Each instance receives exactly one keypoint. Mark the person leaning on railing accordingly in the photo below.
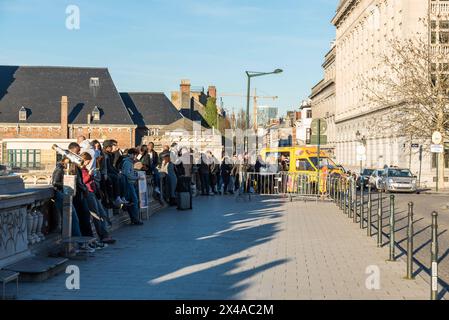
(57, 180)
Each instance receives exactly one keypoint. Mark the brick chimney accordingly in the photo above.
(185, 94)
(212, 92)
(64, 117)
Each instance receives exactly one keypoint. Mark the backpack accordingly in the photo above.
(180, 170)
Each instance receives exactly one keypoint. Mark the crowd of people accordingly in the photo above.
(106, 178)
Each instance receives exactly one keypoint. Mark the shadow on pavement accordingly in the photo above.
(206, 262)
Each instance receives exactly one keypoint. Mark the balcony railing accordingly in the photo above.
(439, 8)
(442, 49)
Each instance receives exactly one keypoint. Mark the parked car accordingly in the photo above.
(398, 180)
(375, 179)
(363, 178)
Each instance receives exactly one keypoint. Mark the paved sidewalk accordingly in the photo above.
(228, 249)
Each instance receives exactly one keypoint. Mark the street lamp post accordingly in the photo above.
(362, 140)
(253, 74)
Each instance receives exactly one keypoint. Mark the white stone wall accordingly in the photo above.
(361, 37)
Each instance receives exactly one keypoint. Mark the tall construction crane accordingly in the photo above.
(256, 98)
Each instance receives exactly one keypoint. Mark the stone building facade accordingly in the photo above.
(323, 99)
(363, 30)
(41, 104)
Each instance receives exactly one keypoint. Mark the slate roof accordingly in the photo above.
(150, 109)
(39, 90)
(196, 113)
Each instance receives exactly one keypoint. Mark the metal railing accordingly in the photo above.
(292, 185)
(343, 193)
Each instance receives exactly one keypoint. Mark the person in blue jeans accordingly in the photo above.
(132, 176)
(58, 186)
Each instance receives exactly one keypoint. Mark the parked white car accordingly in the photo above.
(398, 180)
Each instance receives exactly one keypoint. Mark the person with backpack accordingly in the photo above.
(169, 176)
(214, 172)
(225, 171)
(204, 171)
(131, 176)
(115, 182)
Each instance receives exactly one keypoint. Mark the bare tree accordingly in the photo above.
(410, 85)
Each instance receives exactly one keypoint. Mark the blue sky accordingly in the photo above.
(151, 45)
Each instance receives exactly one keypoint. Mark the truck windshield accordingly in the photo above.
(324, 162)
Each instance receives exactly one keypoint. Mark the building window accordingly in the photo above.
(309, 114)
(433, 24)
(94, 85)
(444, 37)
(96, 114)
(24, 159)
(446, 158)
(22, 114)
(308, 136)
(444, 24)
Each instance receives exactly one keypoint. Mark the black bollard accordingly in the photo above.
(369, 230)
(410, 242)
(354, 190)
(434, 257)
(341, 194)
(392, 227)
(379, 219)
(362, 205)
(350, 199)
(346, 197)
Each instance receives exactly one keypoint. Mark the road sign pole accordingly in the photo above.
(318, 156)
(420, 165)
(438, 171)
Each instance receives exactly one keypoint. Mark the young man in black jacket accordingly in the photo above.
(111, 175)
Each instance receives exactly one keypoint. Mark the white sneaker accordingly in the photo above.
(117, 202)
(124, 201)
(86, 249)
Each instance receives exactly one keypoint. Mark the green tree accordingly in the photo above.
(211, 112)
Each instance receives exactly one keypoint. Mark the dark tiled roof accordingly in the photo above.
(196, 112)
(148, 109)
(39, 90)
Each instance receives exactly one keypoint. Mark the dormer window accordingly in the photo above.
(94, 85)
(96, 114)
(94, 82)
(23, 114)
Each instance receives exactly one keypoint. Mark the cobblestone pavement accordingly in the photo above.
(228, 249)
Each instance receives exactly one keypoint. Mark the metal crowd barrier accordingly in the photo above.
(294, 185)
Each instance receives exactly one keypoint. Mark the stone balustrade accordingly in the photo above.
(24, 215)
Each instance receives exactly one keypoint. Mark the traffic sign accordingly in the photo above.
(361, 157)
(361, 150)
(437, 138)
(314, 140)
(321, 123)
(415, 145)
(437, 148)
